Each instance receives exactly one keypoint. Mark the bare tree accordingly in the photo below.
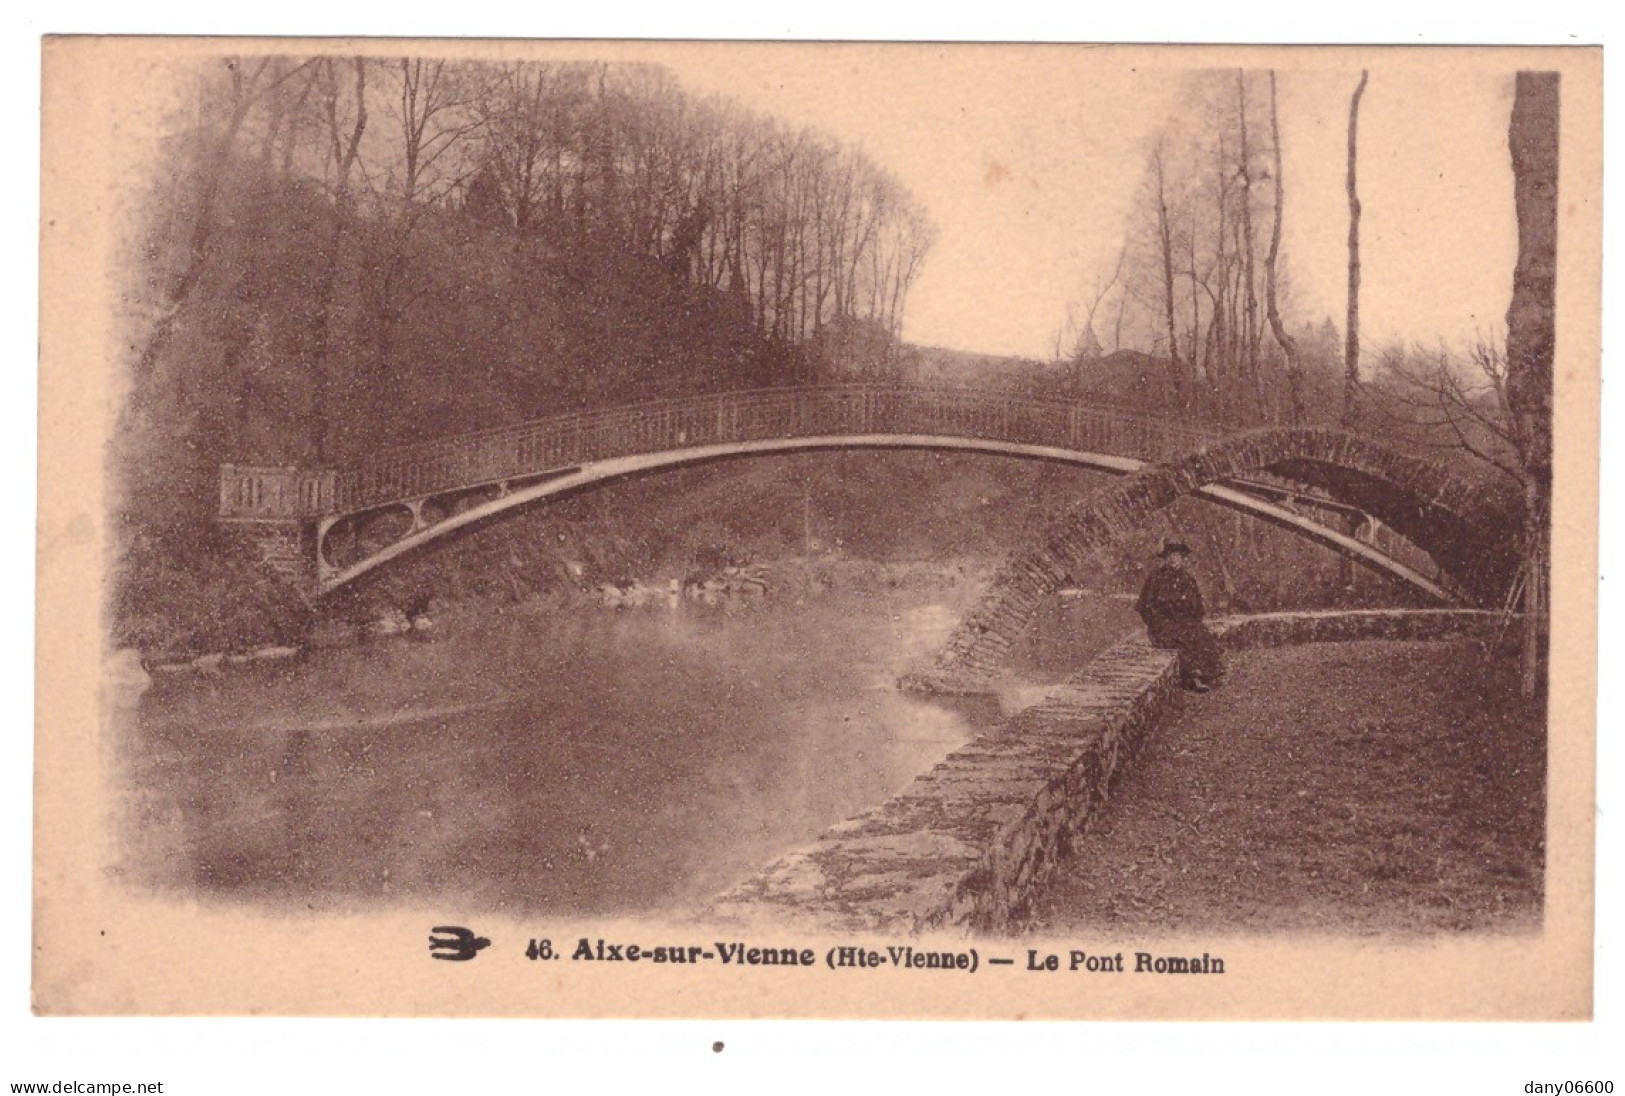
(595, 161)
(1351, 332)
(1441, 402)
(1077, 340)
(1248, 245)
(1532, 334)
(1166, 238)
(512, 104)
(1194, 270)
(246, 82)
(428, 109)
(426, 162)
(1289, 345)
(346, 124)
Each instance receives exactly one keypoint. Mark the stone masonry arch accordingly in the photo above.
(1469, 528)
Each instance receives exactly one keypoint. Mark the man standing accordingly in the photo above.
(1171, 606)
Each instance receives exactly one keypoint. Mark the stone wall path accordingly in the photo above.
(968, 844)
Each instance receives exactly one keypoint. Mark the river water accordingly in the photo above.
(577, 760)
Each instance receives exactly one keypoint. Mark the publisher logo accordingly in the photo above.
(455, 943)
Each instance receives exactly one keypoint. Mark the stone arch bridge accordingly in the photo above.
(1469, 529)
(324, 528)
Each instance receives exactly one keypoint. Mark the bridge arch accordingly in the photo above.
(1470, 529)
(489, 501)
(479, 505)
(410, 495)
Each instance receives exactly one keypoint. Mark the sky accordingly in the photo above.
(1028, 159)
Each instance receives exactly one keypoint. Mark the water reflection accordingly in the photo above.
(581, 761)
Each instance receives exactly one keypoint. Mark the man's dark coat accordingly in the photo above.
(1171, 606)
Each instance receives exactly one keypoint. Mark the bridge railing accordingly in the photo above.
(257, 493)
(492, 456)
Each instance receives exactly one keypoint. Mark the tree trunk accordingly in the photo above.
(1248, 245)
(1351, 330)
(345, 151)
(1289, 345)
(1531, 339)
(1351, 333)
(1198, 369)
(1219, 371)
(1168, 284)
(215, 168)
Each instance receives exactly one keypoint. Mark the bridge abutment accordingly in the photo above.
(286, 547)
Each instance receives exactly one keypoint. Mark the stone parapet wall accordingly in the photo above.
(1337, 626)
(966, 844)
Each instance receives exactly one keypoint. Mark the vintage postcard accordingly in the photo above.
(847, 530)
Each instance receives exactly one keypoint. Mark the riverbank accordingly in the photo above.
(549, 758)
(1347, 788)
(794, 580)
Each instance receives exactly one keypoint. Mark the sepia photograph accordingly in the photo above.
(729, 529)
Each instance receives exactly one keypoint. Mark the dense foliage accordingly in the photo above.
(345, 253)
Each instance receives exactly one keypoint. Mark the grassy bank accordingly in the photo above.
(1350, 788)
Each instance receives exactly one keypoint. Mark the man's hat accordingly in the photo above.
(1174, 547)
